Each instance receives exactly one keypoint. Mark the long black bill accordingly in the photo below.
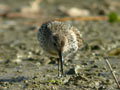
(61, 61)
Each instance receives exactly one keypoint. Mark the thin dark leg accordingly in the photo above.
(58, 66)
(61, 66)
(61, 61)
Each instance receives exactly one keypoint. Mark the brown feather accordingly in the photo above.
(79, 39)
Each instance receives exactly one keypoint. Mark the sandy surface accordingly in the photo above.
(24, 67)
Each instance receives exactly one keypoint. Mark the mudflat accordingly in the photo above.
(23, 66)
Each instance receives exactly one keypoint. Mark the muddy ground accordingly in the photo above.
(24, 67)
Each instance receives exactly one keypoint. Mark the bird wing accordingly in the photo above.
(79, 36)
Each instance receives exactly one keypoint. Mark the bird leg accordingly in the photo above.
(58, 66)
(61, 62)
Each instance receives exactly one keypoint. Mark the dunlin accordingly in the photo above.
(57, 38)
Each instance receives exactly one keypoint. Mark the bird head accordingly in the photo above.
(58, 42)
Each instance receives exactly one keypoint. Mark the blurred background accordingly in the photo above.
(22, 63)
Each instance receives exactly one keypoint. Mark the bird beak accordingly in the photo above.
(61, 61)
(60, 55)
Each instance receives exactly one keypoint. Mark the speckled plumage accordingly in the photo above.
(55, 36)
(72, 34)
